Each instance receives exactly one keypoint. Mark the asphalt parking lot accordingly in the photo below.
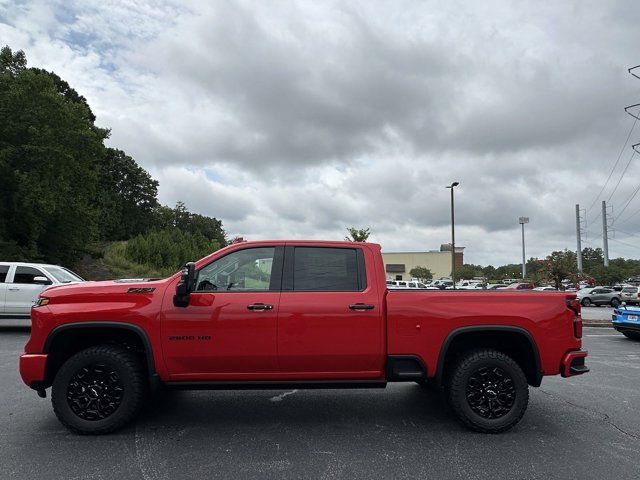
(585, 427)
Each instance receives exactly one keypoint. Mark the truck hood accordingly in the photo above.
(127, 285)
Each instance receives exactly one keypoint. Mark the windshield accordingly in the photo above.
(63, 275)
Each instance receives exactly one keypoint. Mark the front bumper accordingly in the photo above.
(626, 326)
(32, 369)
(573, 363)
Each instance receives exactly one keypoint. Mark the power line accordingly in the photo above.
(622, 175)
(614, 165)
(595, 219)
(625, 243)
(628, 233)
(631, 216)
(633, 195)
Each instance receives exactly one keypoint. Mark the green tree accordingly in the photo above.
(60, 187)
(421, 273)
(358, 235)
(468, 271)
(180, 217)
(127, 197)
(49, 157)
(12, 63)
(558, 266)
(512, 270)
(167, 250)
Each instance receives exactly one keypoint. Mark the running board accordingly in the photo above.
(276, 385)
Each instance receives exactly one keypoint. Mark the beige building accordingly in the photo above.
(397, 265)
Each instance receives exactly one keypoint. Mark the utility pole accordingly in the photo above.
(522, 221)
(453, 236)
(579, 252)
(605, 234)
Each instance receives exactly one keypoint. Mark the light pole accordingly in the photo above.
(453, 236)
(522, 221)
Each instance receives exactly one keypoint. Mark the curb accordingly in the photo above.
(597, 323)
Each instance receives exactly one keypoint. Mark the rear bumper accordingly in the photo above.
(573, 363)
(32, 368)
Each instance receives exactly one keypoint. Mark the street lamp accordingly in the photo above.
(522, 221)
(453, 237)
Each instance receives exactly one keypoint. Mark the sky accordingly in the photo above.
(299, 119)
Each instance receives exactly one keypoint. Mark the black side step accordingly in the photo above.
(277, 385)
(405, 368)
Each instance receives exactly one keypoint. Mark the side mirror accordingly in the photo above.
(186, 285)
(41, 280)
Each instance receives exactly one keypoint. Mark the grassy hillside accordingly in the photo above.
(107, 261)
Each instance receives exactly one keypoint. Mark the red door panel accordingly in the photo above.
(318, 332)
(319, 335)
(217, 337)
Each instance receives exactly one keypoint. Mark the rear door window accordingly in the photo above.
(325, 269)
(26, 275)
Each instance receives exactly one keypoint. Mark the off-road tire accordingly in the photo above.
(131, 375)
(456, 390)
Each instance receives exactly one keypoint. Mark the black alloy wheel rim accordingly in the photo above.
(95, 392)
(490, 392)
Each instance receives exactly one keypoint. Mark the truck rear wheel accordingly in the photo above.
(99, 390)
(487, 391)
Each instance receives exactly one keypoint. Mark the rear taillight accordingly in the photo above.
(574, 305)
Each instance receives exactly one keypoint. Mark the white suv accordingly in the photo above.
(21, 283)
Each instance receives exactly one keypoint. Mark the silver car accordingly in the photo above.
(630, 294)
(599, 296)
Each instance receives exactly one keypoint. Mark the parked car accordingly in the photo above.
(627, 321)
(618, 287)
(599, 296)
(313, 315)
(496, 286)
(21, 283)
(630, 295)
(544, 289)
(407, 284)
(519, 286)
(442, 284)
(470, 285)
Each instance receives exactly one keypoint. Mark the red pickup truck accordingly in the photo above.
(293, 314)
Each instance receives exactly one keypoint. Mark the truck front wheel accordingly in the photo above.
(98, 390)
(487, 391)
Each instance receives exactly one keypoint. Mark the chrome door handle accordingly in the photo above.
(361, 306)
(259, 306)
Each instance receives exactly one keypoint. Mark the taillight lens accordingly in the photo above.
(574, 305)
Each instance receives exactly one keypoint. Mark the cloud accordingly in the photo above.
(300, 119)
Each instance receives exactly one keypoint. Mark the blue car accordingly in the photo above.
(627, 321)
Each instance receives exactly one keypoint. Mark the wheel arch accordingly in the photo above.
(59, 351)
(489, 336)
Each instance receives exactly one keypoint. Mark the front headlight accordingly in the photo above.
(41, 302)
